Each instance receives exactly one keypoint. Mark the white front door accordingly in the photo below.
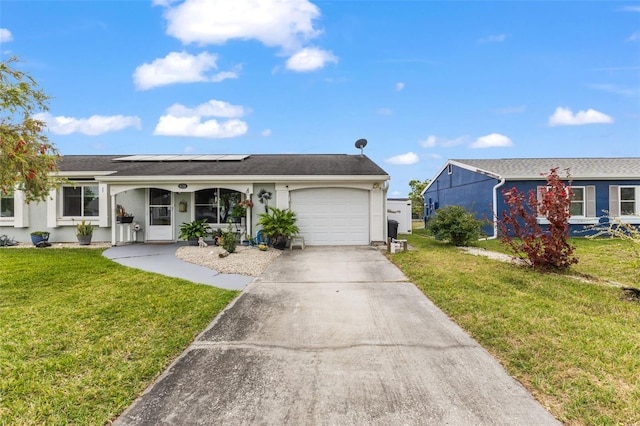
(160, 221)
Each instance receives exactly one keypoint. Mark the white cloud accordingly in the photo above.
(399, 86)
(266, 133)
(494, 140)
(92, 126)
(630, 9)
(162, 2)
(618, 90)
(564, 117)
(403, 159)
(5, 35)
(495, 38)
(179, 67)
(169, 125)
(274, 23)
(429, 142)
(213, 108)
(634, 37)
(433, 140)
(310, 59)
(180, 120)
(384, 111)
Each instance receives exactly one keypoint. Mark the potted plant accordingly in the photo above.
(279, 225)
(192, 231)
(122, 216)
(84, 232)
(238, 212)
(40, 238)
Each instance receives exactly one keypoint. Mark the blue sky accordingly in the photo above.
(422, 81)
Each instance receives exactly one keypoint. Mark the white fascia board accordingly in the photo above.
(242, 178)
(84, 174)
(572, 178)
(462, 166)
(477, 170)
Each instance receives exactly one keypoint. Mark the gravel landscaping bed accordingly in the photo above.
(244, 261)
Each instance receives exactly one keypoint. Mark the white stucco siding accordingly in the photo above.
(332, 216)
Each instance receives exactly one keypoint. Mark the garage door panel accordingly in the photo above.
(332, 216)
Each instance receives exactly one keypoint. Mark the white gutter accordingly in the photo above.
(495, 209)
(243, 178)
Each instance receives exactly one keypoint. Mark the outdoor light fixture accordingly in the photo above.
(182, 206)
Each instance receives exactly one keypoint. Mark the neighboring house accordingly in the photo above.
(602, 187)
(338, 199)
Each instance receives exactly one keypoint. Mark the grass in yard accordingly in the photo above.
(600, 258)
(82, 336)
(574, 345)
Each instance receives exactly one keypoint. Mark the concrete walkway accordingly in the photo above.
(334, 335)
(161, 259)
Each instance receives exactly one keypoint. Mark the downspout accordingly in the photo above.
(495, 209)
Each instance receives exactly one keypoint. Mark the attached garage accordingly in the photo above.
(332, 216)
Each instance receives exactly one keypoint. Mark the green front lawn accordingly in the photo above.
(574, 345)
(601, 258)
(81, 336)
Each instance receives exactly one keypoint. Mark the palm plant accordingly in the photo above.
(279, 225)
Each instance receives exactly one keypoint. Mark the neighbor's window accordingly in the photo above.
(81, 200)
(7, 206)
(577, 201)
(216, 204)
(628, 200)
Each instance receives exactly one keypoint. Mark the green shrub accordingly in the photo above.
(229, 240)
(456, 225)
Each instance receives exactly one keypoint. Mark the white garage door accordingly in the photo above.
(332, 216)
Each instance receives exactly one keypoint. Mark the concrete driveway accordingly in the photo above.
(334, 336)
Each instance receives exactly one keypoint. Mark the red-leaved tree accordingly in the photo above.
(546, 248)
(28, 161)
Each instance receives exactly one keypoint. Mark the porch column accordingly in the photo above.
(113, 220)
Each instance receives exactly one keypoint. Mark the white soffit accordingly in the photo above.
(204, 157)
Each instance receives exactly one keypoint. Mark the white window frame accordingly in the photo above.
(82, 186)
(20, 218)
(7, 219)
(615, 204)
(588, 207)
(55, 206)
(582, 202)
(217, 204)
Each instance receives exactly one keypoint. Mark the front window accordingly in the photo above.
(628, 201)
(7, 206)
(216, 204)
(80, 201)
(577, 201)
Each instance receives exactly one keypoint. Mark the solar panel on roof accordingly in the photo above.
(203, 157)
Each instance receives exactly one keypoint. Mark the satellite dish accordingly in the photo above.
(361, 143)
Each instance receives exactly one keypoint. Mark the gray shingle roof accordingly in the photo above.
(257, 165)
(579, 168)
